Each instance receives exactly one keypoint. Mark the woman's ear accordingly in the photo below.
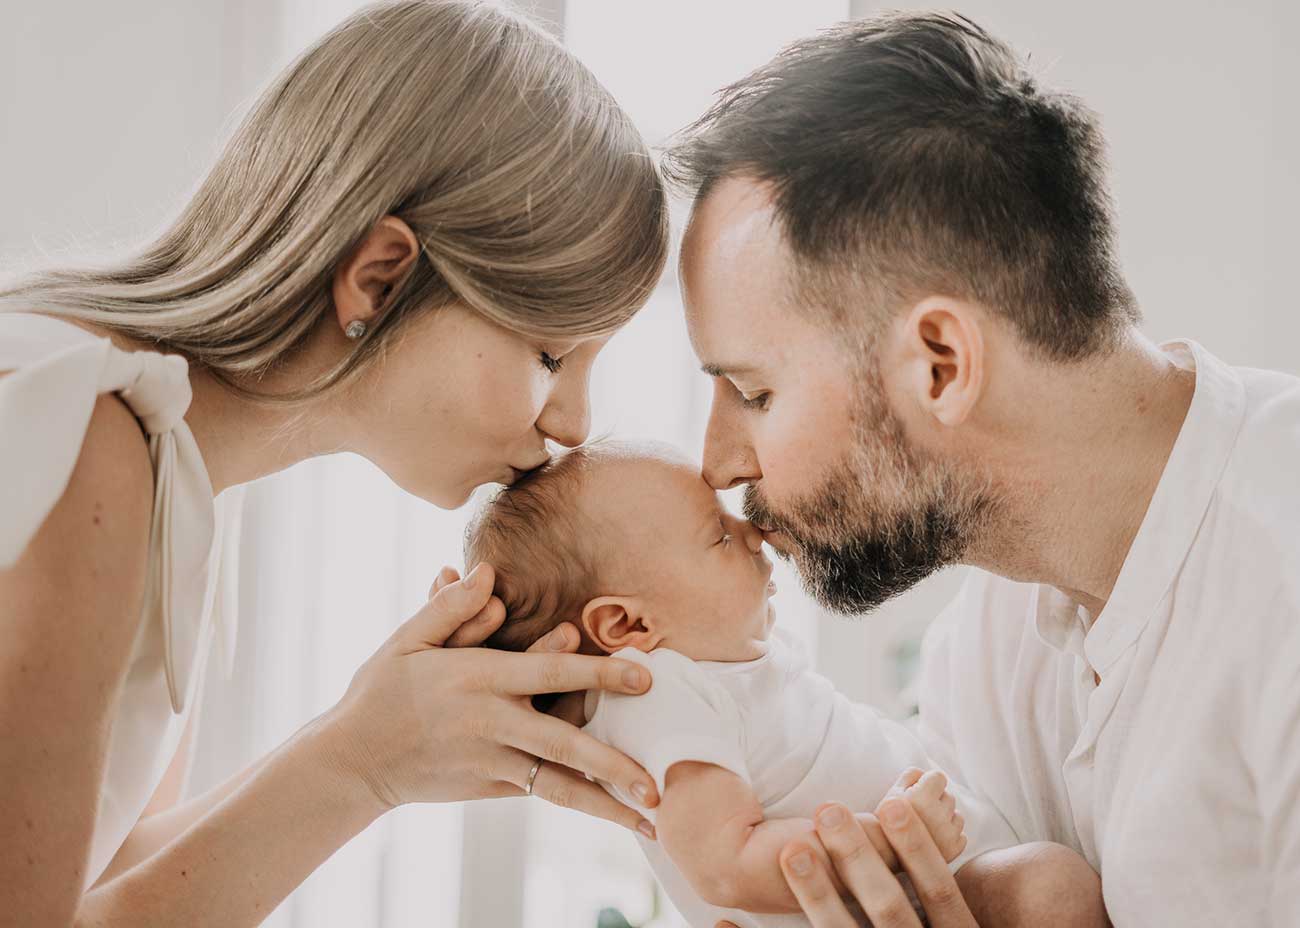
(365, 279)
(614, 622)
(942, 352)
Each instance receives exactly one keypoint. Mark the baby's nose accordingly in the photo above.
(753, 537)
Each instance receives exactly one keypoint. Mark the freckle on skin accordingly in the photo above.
(30, 824)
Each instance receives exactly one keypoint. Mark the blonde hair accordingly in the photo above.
(534, 199)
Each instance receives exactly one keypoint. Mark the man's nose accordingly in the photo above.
(729, 460)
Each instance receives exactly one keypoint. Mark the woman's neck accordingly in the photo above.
(240, 439)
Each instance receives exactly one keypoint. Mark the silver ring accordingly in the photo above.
(532, 777)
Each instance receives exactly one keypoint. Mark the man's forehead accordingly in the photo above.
(733, 272)
(734, 218)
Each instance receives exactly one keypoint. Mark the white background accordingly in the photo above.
(110, 112)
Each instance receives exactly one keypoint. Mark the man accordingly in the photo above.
(900, 272)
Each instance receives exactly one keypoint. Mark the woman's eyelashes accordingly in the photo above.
(757, 401)
(550, 362)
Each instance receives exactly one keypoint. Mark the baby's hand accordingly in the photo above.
(927, 792)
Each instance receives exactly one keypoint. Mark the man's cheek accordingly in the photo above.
(800, 455)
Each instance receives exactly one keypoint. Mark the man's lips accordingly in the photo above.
(777, 540)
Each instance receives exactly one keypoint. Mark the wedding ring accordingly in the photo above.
(532, 777)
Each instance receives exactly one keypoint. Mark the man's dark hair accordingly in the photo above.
(912, 153)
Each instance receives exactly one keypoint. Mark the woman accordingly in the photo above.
(412, 249)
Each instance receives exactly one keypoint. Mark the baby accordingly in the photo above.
(743, 739)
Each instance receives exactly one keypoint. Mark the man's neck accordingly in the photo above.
(1098, 437)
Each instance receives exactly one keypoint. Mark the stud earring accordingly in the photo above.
(356, 328)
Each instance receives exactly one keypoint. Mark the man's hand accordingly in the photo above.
(861, 868)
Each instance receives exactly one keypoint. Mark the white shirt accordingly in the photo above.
(780, 727)
(59, 370)
(1178, 777)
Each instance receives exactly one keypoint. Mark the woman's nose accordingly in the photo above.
(567, 417)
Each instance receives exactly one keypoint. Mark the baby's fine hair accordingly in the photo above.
(542, 547)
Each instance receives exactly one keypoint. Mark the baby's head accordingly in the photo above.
(630, 544)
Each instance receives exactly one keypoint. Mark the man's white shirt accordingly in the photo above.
(1178, 776)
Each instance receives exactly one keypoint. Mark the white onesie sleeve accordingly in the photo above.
(685, 716)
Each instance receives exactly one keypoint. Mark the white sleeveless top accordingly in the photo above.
(46, 404)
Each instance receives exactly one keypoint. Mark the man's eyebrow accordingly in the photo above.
(729, 370)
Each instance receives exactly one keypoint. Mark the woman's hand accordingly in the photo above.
(859, 866)
(423, 722)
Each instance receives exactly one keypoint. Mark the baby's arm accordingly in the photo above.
(711, 824)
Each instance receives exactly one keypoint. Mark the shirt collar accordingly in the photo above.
(1181, 500)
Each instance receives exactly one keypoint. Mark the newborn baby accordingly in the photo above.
(743, 739)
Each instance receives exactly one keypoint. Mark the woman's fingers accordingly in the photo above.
(445, 576)
(563, 638)
(532, 674)
(933, 882)
(561, 743)
(450, 607)
(861, 869)
(570, 790)
(812, 886)
(480, 628)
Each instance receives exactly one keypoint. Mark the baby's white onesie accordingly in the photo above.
(782, 728)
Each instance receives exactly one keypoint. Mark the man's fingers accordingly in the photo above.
(561, 743)
(568, 789)
(861, 869)
(532, 674)
(920, 857)
(812, 886)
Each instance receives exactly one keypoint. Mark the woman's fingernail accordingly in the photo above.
(633, 678)
(646, 829)
(801, 863)
(893, 813)
(559, 639)
(832, 817)
(641, 792)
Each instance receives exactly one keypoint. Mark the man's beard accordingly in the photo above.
(882, 521)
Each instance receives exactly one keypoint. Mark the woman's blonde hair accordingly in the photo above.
(534, 199)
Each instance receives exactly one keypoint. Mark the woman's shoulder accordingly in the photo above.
(71, 446)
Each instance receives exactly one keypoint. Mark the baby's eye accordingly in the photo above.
(724, 540)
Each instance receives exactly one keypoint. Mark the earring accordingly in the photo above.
(356, 328)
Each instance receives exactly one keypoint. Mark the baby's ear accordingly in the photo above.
(614, 622)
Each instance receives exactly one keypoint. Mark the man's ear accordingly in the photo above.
(614, 622)
(365, 279)
(942, 356)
